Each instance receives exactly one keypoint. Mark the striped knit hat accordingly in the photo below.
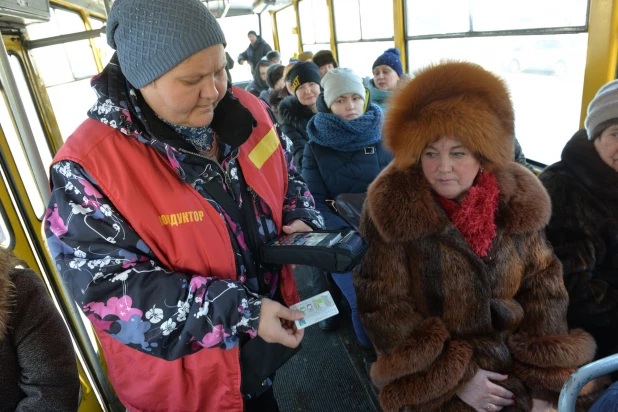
(603, 110)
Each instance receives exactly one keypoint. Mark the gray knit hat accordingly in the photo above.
(338, 82)
(152, 37)
(603, 110)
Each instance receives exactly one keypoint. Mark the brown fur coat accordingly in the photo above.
(436, 312)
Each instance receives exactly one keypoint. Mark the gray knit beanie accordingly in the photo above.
(603, 110)
(340, 81)
(152, 37)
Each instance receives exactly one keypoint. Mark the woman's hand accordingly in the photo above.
(542, 406)
(277, 324)
(484, 395)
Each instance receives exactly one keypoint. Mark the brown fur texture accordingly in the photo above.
(452, 99)
(7, 262)
(436, 312)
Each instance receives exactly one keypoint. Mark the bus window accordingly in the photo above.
(68, 79)
(288, 40)
(5, 234)
(19, 156)
(360, 40)
(31, 112)
(235, 30)
(105, 51)
(314, 25)
(267, 29)
(545, 72)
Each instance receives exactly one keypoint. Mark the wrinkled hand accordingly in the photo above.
(542, 406)
(484, 395)
(241, 62)
(297, 226)
(277, 324)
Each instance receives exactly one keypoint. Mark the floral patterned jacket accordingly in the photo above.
(110, 270)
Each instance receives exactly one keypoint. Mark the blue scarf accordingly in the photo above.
(327, 129)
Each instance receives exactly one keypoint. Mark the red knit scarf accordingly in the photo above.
(474, 217)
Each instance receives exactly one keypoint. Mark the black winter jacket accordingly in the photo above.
(294, 118)
(329, 173)
(255, 52)
(584, 233)
(38, 371)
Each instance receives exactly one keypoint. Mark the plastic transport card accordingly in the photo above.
(316, 309)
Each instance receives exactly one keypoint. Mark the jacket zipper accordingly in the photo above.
(256, 202)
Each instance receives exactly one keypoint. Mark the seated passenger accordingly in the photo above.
(274, 57)
(459, 291)
(38, 371)
(344, 155)
(325, 61)
(296, 110)
(274, 80)
(277, 96)
(583, 230)
(143, 222)
(258, 84)
(387, 73)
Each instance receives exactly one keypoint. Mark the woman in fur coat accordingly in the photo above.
(583, 188)
(460, 291)
(38, 371)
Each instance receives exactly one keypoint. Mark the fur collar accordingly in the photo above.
(402, 206)
(293, 112)
(6, 290)
(582, 158)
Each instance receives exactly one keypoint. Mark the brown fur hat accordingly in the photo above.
(452, 99)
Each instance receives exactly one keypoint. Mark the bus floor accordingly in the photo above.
(328, 374)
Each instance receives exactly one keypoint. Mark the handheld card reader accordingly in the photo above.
(332, 251)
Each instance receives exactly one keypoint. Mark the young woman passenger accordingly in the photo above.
(296, 111)
(387, 73)
(460, 292)
(37, 362)
(139, 227)
(583, 188)
(344, 155)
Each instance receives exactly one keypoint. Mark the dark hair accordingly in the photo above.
(272, 55)
(263, 63)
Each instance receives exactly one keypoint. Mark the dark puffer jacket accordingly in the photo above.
(294, 118)
(329, 172)
(255, 52)
(38, 371)
(584, 233)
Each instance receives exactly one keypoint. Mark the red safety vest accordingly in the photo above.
(187, 235)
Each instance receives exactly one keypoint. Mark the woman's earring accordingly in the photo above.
(482, 168)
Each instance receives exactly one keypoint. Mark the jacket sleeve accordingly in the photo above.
(298, 145)
(545, 352)
(419, 363)
(315, 181)
(44, 350)
(124, 290)
(299, 203)
(243, 56)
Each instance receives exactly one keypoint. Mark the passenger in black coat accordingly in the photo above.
(257, 49)
(296, 111)
(38, 371)
(583, 230)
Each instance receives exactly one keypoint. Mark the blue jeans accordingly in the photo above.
(344, 281)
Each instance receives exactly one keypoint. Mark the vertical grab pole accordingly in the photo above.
(23, 125)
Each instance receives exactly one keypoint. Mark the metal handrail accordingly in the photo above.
(581, 377)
